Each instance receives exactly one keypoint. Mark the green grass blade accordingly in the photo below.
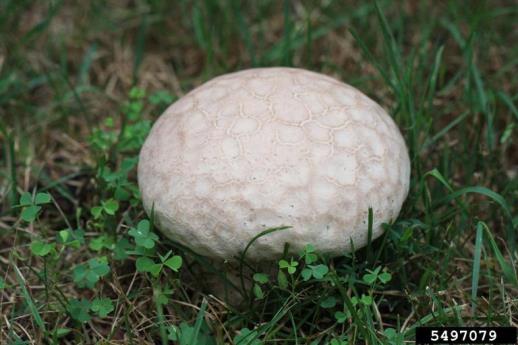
(391, 49)
(160, 316)
(482, 191)
(370, 57)
(432, 85)
(86, 63)
(243, 255)
(509, 102)
(43, 25)
(287, 50)
(10, 162)
(435, 173)
(245, 33)
(140, 46)
(444, 130)
(28, 299)
(507, 269)
(198, 323)
(476, 266)
(370, 254)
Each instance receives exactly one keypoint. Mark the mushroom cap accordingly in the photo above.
(269, 147)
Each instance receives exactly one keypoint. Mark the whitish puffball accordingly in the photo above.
(268, 147)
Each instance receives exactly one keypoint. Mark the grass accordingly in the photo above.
(80, 85)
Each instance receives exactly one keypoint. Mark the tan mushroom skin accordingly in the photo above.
(267, 147)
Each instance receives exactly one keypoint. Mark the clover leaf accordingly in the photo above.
(316, 271)
(174, 263)
(103, 241)
(309, 254)
(366, 300)
(71, 238)
(142, 234)
(328, 302)
(102, 306)
(109, 207)
(290, 266)
(40, 248)
(31, 208)
(319, 271)
(145, 264)
(120, 251)
(260, 278)
(373, 276)
(79, 310)
(340, 316)
(86, 275)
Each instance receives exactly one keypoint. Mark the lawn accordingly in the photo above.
(81, 83)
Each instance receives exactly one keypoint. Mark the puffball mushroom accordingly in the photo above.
(268, 147)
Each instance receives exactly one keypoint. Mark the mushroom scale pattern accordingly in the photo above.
(268, 147)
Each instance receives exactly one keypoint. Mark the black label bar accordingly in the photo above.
(466, 335)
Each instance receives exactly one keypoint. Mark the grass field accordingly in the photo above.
(82, 82)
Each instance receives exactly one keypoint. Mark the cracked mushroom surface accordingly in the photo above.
(266, 147)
